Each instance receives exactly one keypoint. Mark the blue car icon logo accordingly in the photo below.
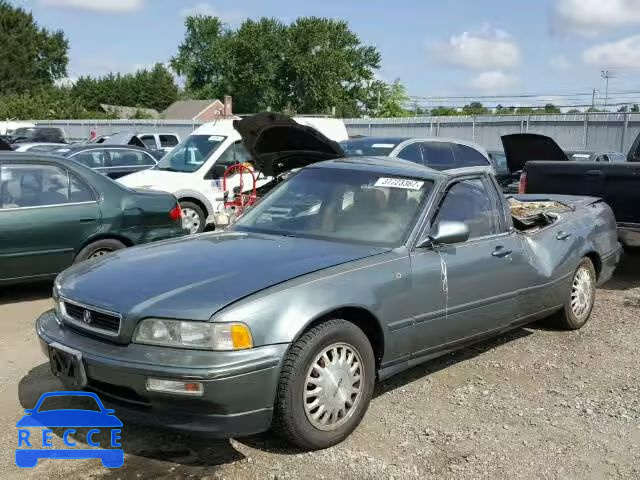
(32, 447)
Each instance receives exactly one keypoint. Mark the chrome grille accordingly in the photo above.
(91, 318)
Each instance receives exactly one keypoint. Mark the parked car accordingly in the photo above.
(598, 156)
(38, 134)
(616, 183)
(193, 171)
(39, 147)
(54, 213)
(434, 152)
(114, 161)
(160, 141)
(349, 271)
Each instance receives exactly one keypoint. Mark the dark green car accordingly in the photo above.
(56, 212)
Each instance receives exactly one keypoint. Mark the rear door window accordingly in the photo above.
(92, 158)
(167, 141)
(413, 153)
(149, 141)
(33, 185)
(469, 157)
(130, 158)
(438, 155)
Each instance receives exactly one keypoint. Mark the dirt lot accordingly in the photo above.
(533, 404)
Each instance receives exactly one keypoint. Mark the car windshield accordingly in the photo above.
(191, 154)
(500, 162)
(368, 147)
(341, 205)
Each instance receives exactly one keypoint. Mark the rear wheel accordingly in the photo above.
(580, 299)
(325, 386)
(193, 217)
(98, 249)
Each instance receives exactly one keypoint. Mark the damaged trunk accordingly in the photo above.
(531, 216)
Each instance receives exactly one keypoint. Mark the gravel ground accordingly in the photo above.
(536, 403)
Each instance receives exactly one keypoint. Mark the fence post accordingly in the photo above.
(624, 132)
(585, 133)
(431, 128)
(369, 127)
(528, 120)
(473, 128)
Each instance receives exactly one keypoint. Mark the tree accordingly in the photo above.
(551, 108)
(635, 108)
(386, 100)
(475, 108)
(444, 112)
(32, 56)
(574, 111)
(153, 88)
(310, 66)
(623, 109)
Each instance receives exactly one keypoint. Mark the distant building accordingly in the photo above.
(199, 110)
(123, 112)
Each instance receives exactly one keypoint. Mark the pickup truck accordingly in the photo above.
(618, 184)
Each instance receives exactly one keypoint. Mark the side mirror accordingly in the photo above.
(447, 233)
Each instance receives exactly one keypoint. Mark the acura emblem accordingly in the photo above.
(86, 317)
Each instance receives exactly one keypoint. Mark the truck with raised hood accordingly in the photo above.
(545, 170)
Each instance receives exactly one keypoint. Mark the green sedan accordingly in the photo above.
(55, 212)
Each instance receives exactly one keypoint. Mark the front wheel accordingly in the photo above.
(580, 299)
(325, 386)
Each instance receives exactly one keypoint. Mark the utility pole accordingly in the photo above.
(607, 74)
(593, 100)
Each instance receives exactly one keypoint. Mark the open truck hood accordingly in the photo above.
(278, 143)
(520, 148)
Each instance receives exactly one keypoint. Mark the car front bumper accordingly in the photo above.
(238, 387)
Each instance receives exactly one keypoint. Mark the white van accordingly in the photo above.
(193, 171)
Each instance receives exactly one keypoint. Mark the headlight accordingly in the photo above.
(196, 335)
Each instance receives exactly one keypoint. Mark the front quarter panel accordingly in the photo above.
(378, 284)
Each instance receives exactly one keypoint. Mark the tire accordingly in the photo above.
(98, 249)
(193, 213)
(578, 304)
(345, 345)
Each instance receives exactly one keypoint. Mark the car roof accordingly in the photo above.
(365, 139)
(98, 146)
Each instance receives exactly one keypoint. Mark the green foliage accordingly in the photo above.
(153, 88)
(475, 108)
(310, 66)
(635, 108)
(32, 56)
(45, 103)
(444, 112)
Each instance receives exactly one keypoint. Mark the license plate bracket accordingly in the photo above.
(66, 364)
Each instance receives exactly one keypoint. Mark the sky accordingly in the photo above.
(551, 49)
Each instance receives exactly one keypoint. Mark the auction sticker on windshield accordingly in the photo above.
(399, 183)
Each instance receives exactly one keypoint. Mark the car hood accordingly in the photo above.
(194, 277)
(278, 143)
(155, 179)
(520, 148)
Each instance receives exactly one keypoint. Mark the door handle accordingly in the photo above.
(563, 235)
(501, 252)
(594, 173)
(88, 220)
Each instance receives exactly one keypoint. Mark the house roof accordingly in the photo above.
(188, 109)
(128, 112)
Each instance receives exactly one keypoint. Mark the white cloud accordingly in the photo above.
(622, 54)
(493, 81)
(97, 5)
(592, 17)
(199, 9)
(204, 8)
(488, 49)
(560, 63)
